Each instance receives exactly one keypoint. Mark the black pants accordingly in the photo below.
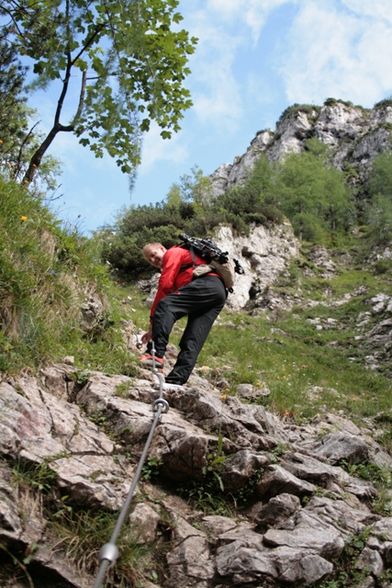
(202, 300)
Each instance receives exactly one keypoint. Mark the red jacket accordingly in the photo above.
(176, 271)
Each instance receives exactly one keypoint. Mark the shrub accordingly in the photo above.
(385, 102)
(307, 187)
(379, 211)
(308, 227)
(294, 108)
(379, 218)
(380, 176)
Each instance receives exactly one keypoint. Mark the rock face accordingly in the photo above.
(81, 440)
(264, 254)
(355, 134)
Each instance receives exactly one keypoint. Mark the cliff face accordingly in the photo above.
(264, 254)
(355, 134)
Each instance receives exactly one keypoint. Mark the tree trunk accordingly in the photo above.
(36, 159)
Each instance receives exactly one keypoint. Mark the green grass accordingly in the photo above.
(291, 363)
(308, 371)
(292, 357)
(46, 273)
(81, 535)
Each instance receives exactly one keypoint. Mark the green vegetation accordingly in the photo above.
(209, 493)
(82, 534)
(347, 574)
(78, 531)
(46, 273)
(18, 142)
(306, 369)
(35, 476)
(312, 357)
(381, 477)
(129, 59)
(294, 108)
(379, 211)
(304, 187)
(385, 102)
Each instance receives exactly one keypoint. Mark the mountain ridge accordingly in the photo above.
(355, 135)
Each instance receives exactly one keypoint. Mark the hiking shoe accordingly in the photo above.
(148, 360)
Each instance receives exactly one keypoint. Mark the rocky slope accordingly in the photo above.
(294, 510)
(305, 515)
(300, 515)
(355, 134)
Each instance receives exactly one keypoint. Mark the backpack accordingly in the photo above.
(216, 259)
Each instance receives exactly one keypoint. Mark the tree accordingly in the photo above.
(18, 142)
(380, 176)
(307, 188)
(379, 213)
(196, 188)
(13, 112)
(130, 60)
(379, 218)
(173, 198)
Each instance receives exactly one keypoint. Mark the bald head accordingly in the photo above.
(153, 253)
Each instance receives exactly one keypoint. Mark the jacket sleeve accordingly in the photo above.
(171, 266)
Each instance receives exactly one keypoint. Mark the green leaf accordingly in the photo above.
(135, 57)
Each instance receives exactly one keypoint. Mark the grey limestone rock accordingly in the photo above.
(305, 508)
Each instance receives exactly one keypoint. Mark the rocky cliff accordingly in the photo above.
(289, 502)
(306, 514)
(354, 134)
(306, 508)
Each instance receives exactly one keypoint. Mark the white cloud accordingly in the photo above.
(225, 28)
(252, 13)
(156, 149)
(338, 54)
(215, 91)
(381, 9)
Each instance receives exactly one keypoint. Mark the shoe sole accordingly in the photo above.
(157, 365)
(168, 387)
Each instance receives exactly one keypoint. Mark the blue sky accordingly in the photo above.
(254, 58)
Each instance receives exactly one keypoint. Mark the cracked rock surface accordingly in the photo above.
(303, 508)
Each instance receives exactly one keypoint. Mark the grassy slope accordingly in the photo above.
(46, 272)
(307, 370)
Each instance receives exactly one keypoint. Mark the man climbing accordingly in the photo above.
(178, 294)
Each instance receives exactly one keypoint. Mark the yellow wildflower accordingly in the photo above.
(23, 218)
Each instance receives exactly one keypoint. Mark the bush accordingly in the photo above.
(308, 227)
(379, 218)
(307, 188)
(380, 176)
(294, 108)
(304, 188)
(383, 103)
(378, 214)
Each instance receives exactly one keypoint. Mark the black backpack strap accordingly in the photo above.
(192, 252)
(186, 266)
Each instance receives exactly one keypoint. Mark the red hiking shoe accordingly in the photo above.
(147, 360)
